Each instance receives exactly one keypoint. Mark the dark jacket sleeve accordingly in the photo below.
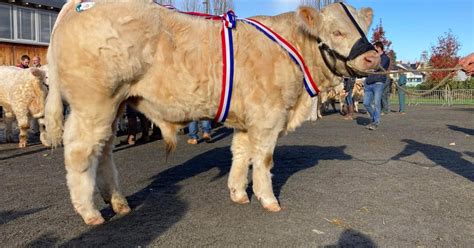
(374, 78)
(384, 61)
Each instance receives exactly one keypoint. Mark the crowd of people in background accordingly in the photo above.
(377, 88)
(376, 101)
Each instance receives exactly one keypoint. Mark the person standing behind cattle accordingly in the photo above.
(386, 96)
(402, 81)
(374, 85)
(24, 62)
(193, 130)
(132, 129)
(348, 87)
(36, 61)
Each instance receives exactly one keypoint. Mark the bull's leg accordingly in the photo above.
(42, 130)
(9, 117)
(23, 125)
(107, 177)
(264, 141)
(314, 114)
(85, 135)
(237, 182)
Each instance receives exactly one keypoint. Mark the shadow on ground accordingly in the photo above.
(467, 131)
(23, 151)
(441, 156)
(7, 216)
(157, 207)
(353, 238)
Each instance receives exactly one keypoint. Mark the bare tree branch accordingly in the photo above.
(318, 4)
(221, 6)
(193, 5)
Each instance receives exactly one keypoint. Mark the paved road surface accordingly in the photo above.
(408, 184)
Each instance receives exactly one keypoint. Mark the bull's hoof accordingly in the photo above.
(94, 221)
(121, 208)
(242, 200)
(239, 197)
(22, 145)
(43, 140)
(273, 207)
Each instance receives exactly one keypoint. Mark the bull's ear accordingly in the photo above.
(368, 15)
(36, 72)
(309, 19)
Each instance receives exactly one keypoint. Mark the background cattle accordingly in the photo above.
(325, 99)
(169, 66)
(22, 96)
(358, 93)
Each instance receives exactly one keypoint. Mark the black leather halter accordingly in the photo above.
(360, 46)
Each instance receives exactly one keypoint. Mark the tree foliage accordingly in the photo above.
(444, 55)
(379, 35)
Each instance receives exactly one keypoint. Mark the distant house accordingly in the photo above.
(25, 28)
(413, 78)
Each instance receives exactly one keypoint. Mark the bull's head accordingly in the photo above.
(340, 32)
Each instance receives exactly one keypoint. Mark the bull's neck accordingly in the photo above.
(286, 25)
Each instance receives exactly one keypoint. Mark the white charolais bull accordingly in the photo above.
(169, 65)
(22, 96)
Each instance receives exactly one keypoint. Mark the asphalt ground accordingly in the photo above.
(407, 184)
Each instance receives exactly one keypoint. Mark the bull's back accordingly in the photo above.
(106, 44)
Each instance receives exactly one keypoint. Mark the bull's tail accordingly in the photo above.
(54, 108)
(169, 131)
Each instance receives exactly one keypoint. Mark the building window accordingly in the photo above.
(26, 25)
(6, 26)
(46, 23)
(26, 29)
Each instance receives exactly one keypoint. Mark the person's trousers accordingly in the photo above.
(373, 93)
(401, 99)
(193, 128)
(349, 100)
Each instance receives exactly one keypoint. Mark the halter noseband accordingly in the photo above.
(360, 46)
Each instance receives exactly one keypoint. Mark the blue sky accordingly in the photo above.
(411, 25)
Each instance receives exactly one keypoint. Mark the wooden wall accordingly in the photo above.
(10, 53)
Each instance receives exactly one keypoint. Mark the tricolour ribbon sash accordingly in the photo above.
(229, 21)
(309, 83)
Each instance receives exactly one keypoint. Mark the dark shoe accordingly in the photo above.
(156, 136)
(143, 139)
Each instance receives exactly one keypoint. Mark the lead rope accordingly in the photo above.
(385, 72)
